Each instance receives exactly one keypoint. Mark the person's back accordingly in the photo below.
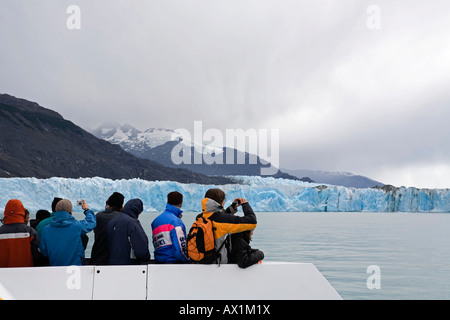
(169, 236)
(128, 243)
(241, 252)
(42, 224)
(100, 249)
(224, 221)
(19, 243)
(61, 239)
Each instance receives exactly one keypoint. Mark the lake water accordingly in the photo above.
(410, 249)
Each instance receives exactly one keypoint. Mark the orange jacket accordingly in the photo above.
(18, 242)
(225, 222)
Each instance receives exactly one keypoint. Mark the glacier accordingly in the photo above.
(265, 194)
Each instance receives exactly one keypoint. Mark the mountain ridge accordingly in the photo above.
(39, 142)
(345, 179)
(156, 144)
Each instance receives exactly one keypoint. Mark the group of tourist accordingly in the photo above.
(58, 239)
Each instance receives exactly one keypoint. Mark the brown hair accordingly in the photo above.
(175, 198)
(216, 195)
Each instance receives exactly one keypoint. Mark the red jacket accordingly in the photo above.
(18, 242)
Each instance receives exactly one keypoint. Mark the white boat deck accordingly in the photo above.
(265, 281)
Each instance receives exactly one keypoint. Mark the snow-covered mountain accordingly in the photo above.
(345, 179)
(264, 194)
(140, 142)
(156, 144)
(131, 139)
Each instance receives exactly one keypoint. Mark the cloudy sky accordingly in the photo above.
(350, 86)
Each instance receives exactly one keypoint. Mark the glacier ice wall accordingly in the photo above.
(264, 194)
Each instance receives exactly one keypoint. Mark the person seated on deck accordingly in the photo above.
(128, 243)
(241, 252)
(100, 249)
(169, 232)
(224, 221)
(61, 239)
(19, 243)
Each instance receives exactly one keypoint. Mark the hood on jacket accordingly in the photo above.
(14, 212)
(62, 219)
(209, 206)
(133, 208)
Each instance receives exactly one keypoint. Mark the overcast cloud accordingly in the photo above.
(345, 98)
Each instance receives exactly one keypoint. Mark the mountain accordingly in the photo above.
(157, 144)
(133, 140)
(38, 142)
(345, 179)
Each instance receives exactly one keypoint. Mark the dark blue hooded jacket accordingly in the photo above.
(128, 243)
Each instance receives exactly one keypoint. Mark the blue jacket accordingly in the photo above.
(128, 243)
(61, 239)
(169, 236)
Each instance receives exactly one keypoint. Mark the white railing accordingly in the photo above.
(265, 281)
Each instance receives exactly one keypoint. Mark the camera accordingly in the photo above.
(80, 202)
(235, 204)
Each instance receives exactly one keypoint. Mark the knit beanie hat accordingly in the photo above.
(175, 198)
(64, 205)
(116, 200)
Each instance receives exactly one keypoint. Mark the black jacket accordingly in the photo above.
(128, 243)
(100, 249)
(242, 253)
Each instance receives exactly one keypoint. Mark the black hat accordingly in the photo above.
(55, 202)
(42, 214)
(175, 198)
(115, 200)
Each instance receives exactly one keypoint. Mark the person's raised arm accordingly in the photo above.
(89, 222)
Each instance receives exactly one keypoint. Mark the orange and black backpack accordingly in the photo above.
(200, 241)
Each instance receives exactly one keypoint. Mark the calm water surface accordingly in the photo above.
(411, 249)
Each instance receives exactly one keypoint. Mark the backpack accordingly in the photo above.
(200, 241)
